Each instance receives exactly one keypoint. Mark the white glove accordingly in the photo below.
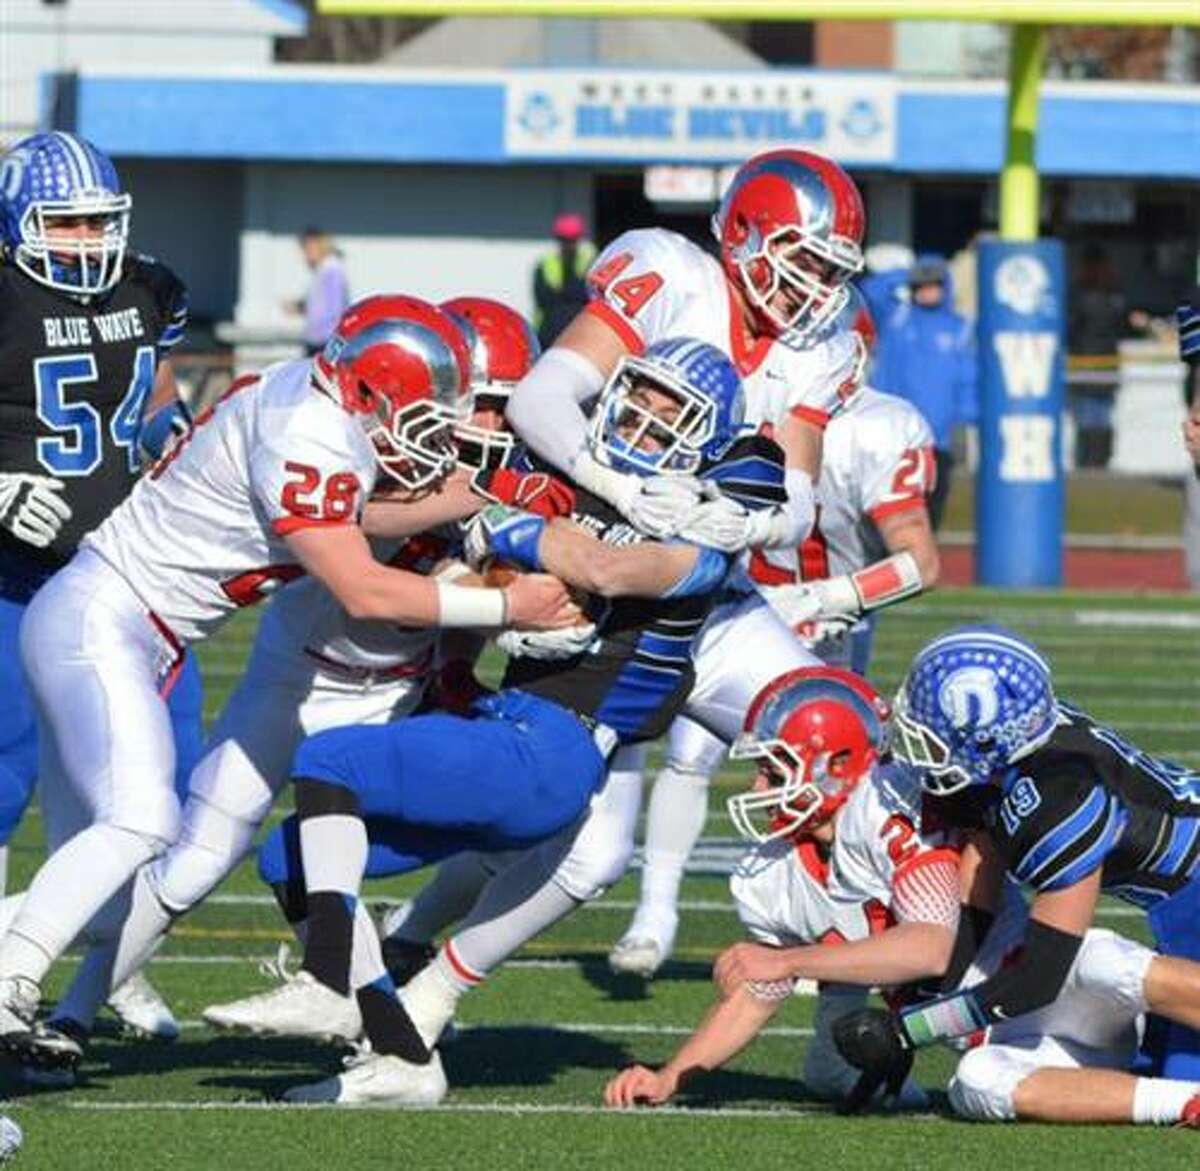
(719, 522)
(547, 644)
(655, 505)
(832, 601)
(31, 508)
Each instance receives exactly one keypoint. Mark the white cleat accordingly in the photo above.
(636, 956)
(142, 1011)
(300, 1007)
(19, 1000)
(27, 1039)
(372, 1079)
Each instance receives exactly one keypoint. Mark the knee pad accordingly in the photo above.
(693, 751)
(1113, 968)
(593, 864)
(983, 1085)
(210, 845)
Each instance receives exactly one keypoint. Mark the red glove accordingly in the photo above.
(535, 492)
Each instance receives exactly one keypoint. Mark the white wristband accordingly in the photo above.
(467, 606)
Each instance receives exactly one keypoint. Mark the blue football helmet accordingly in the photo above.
(974, 701)
(52, 177)
(630, 434)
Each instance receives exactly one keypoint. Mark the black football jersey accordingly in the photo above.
(74, 380)
(638, 673)
(1089, 799)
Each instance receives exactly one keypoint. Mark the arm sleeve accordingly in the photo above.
(1036, 978)
(544, 408)
(171, 301)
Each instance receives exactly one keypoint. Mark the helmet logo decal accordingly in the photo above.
(968, 698)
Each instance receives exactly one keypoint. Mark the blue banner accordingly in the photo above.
(1019, 501)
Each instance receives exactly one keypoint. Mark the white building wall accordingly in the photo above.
(436, 232)
(36, 40)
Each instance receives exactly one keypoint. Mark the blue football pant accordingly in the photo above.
(18, 724)
(1175, 923)
(427, 787)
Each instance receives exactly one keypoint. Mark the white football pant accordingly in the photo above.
(1093, 1024)
(95, 660)
(281, 699)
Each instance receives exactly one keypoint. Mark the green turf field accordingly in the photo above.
(543, 1036)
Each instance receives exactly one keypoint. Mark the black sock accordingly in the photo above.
(292, 899)
(388, 1025)
(330, 932)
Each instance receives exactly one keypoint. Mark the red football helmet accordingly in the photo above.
(791, 221)
(817, 732)
(503, 349)
(401, 367)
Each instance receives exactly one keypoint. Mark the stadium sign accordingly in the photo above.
(1021, 369)
(647, 115)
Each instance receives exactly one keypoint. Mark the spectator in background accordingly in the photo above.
(884, 285)
(559, 287)
(926, 354)
(1188, 318)
(328, 293)
(1098, 319)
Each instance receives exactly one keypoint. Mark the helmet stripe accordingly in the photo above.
(76, 160)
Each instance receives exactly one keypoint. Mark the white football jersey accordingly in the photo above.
(305, 619)
(202, 533)
(788, 894)
(652, 284)
(877, 461)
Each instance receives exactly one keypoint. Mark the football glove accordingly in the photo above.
(31, 507)
(717, 521)
(547, 645)
(871, 1039)
(654, 505)
(535, 492)
(505, 533)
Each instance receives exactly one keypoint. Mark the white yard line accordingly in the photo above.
(583, 1027)
(515, 1109)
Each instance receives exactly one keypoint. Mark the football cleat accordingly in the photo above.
(58, 1077)
(300, 1007)
(1189, 1118)
(29, 1041)
(637, 956)
(142, 1011)
(374, 1079)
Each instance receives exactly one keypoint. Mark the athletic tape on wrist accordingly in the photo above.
(888, 581)
(949, 1016)
(467, 606)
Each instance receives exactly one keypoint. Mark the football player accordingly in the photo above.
(790, 230)
(1062, 804)
(525, 767)
(871, 546)
(270, 483)
(86, 391)
(842, 856)
(311, 667)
